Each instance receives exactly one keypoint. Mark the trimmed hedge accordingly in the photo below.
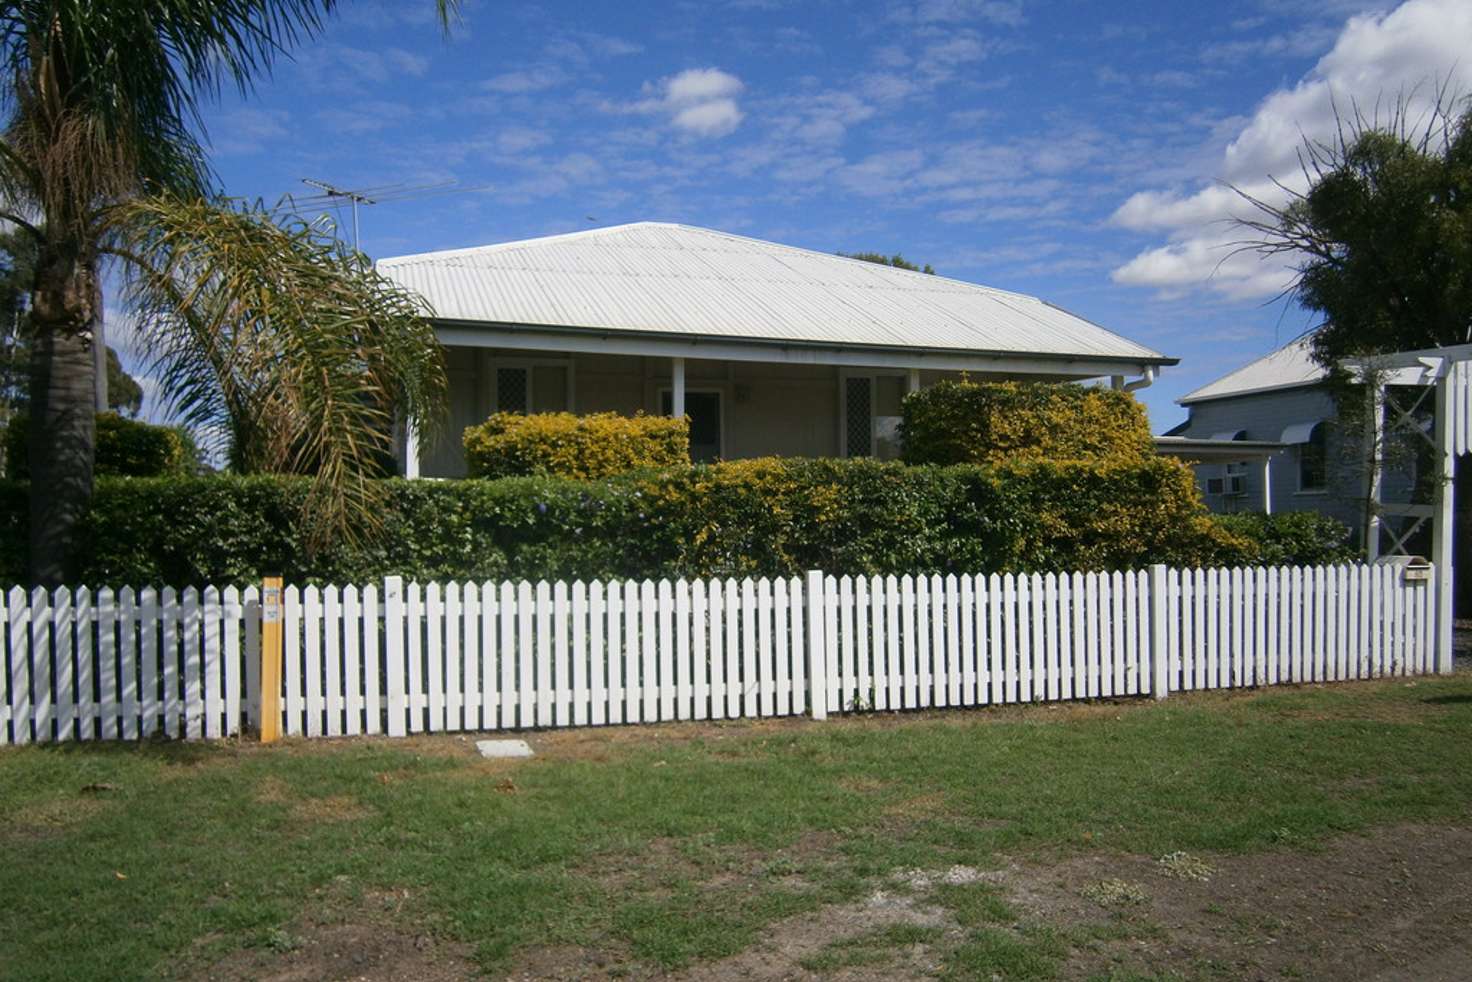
(1001, 422)
(1294, 538)
(756, 517)
(565, 445)
(125, 448)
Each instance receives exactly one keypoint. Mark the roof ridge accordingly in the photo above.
(494, 247)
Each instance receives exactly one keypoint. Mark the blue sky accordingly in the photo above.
(1068, 150)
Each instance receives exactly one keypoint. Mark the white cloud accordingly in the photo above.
(525, 80)
(698, 101)
(247, 130)
(1375, 60)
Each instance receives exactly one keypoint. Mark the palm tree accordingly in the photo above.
(101, 104)
(283, 347)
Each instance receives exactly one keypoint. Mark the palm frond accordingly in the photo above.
(286, 348)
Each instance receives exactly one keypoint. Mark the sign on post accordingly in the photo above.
(271, 624)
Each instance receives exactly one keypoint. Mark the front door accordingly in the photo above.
(704, 410)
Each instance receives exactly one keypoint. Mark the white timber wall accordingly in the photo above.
(412, 658)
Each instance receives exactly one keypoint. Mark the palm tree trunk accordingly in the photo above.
(63, 415)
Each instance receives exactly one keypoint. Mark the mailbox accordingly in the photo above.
(1414, 569)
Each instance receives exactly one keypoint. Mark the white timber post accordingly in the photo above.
(1376, 435)
(817, 646)
(1441, 529)
(411, 449)
(1159, 649)
(912, 381)
(1267, 485)
(677, 387)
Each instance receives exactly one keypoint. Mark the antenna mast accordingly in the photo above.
(354, 196)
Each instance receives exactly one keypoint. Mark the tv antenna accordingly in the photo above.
(330, 194)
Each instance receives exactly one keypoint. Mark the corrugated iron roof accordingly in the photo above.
(1289, 367)
(652, 277)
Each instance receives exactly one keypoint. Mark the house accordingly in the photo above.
(1283, 398)
(768, 348)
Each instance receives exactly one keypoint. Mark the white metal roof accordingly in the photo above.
(1287, 368)
(652, 278)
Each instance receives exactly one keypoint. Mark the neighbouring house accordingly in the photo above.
(768, 348)
(1281, 407)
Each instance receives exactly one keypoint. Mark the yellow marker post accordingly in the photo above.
(271, 659)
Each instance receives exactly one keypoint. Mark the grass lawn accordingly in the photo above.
(644, 850)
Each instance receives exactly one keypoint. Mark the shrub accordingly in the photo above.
(1294, 538)
(125, 448)
(1002, 422)
(564, 445)
(755, 517)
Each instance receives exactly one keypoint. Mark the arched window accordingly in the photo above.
(1313, 460)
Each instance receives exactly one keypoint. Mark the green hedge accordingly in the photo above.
(758, 517)
(564, 445)
(1003, 422)
(1294, 538)
(125, 448)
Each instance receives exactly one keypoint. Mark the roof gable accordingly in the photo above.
(678, 280)
(1289, 367)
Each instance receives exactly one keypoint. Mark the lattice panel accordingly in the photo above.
(511, 390)
(859, 417)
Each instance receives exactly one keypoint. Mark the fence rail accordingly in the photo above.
(86, 665)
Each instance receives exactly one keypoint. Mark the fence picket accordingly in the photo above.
(454, 616)
(434, 682)
(543, 683)
(781, 608)
(561, 685)
(63, 639)
(85, 614)
(579, 653)
(764, 647)
(333, 694)
(109, 699)
(373, 681)
(632, 673)
(718, 655)
(393, 655)
(796, 609)
(597, 655)
(682, 681)
(614, 665)
(700, 687)
(525, 690)
(213, 691)
(312, 662)
(352, 655)
(649, 678)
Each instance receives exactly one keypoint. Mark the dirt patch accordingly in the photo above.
(347, 935)
(1395, 904)
(351, 950)
(1391, 905)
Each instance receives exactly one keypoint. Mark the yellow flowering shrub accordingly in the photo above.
(565, 445)
(1004, 422)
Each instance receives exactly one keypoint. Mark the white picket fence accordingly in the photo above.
(466, 657)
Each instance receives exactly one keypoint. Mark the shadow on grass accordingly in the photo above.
(1459, 699)
(182, 752)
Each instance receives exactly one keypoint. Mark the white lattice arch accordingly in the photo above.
(1447, 374)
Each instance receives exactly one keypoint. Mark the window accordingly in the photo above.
(535, 388)
(1313, 460)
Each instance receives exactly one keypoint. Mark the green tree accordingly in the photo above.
(101, 103)
(897, 261)
(1382, 238)
(1381, 241)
